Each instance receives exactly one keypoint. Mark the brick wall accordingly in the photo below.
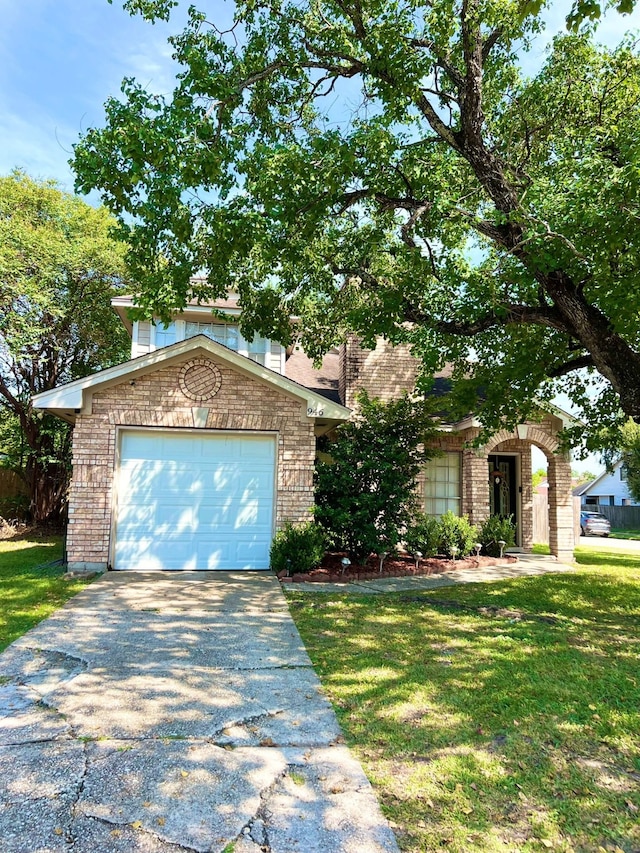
(385, 371)
(156, 400)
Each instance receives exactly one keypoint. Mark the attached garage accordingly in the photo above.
(194, 501)
(187, 458)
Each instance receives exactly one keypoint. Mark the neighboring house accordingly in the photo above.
(609, 489)
(543, 487)
(191, 454)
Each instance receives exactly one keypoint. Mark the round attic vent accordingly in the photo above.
(200, 379)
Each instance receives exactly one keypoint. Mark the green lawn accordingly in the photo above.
(493, 717)
(618, 533)
(29, 590)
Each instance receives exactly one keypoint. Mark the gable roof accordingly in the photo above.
(323, 380)
(74, 398)
(587, 487)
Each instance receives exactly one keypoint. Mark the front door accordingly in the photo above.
(503, 489)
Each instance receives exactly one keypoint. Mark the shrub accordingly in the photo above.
(494, 529)
(16, 507)
(365, 494)
(422, 535)
(456, 531)
(297, 548)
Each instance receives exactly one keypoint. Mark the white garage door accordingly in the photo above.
(188, 501)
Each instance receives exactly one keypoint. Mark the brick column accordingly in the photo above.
(475, 478)
(526, 499)
(561, 536)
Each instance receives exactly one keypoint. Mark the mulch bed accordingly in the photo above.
(394, 566)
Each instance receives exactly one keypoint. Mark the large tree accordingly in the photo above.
(59, 268)
(387, 167)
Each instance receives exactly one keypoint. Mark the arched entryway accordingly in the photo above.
(498, 481)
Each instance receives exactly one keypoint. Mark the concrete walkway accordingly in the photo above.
(164, 714)
(528, 564)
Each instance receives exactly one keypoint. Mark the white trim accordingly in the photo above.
(134, 339)
(471, 421)
(74, 397)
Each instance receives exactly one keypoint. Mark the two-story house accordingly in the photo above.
(608, 489)
(195, 451)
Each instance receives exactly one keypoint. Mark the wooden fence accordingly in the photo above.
(623, 517)
(541, 519)
(11, 485)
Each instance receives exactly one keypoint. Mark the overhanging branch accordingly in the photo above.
(570, 366)
(509, 315)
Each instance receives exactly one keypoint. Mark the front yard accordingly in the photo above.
(30, 590)
(494, 717)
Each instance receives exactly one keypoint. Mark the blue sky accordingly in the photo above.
(61, 60)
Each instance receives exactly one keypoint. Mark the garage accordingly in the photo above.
(194, 500)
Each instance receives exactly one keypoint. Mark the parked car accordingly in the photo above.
(594, 524)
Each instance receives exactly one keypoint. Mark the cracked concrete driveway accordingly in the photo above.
(159, 713)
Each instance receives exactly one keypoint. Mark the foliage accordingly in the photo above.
(422, 535)
(31, 588)
(14, 508)
(387, 169)
(495, 529)
(582, 477)
(630, 440)
(487, 731)
(456, 531)
(59, 268)
(365, 496)
(297, 548)
(538, 476)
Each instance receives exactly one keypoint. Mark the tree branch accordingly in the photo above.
(510, 315)
(570, 366)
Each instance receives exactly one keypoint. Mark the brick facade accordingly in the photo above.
(177, 395)
(157, 400)
(387, 371)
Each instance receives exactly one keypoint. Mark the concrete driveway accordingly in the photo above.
(175, 713)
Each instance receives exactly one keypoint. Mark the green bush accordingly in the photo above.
(456, 530)
(494, 529)
(422, 535)
(15, 507)
(297, 548)
(365, 494)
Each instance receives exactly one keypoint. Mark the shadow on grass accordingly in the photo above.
(31, 584)
(484, 731)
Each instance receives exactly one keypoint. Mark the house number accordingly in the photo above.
(315, 412)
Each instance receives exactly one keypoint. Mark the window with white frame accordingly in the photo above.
(258, 349)
(221, 333)
(442, 491)
(229, 335)
(165, 335)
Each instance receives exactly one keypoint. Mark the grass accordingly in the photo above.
(30, 590)
(541, 549)
(619, 533)
(493, 717)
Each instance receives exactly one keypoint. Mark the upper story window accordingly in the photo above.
(165, 335)
(223, 333)
(624, 472)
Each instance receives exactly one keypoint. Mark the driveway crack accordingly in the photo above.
(69, 835)
(170, 845)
